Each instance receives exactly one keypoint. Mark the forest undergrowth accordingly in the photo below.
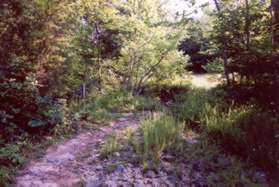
(231, 143)
(68, 67)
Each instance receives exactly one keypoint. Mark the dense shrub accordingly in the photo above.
(34, 114)
(263, 94)
(23, 39)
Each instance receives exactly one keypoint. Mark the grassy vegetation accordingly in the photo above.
(111, 145)
(243, 129)
(160, 132)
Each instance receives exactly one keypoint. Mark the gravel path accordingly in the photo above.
(61, 166)
(77, 163)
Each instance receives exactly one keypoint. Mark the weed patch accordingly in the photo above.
(160, 132)
(111, 145)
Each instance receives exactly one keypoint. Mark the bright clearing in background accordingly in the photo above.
(184, 5)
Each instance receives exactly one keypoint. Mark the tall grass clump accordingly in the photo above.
(111, 145)
(160, 132)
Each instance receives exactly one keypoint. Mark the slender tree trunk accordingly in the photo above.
(275, 9)
(275, 39)
(226, 70)
(99, 66)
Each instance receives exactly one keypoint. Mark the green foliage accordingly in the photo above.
(227, 170)
(42, 114)
(141, 53)
(215, 66)
(11, 154)
(251, 47)
(11, 157)
(48, 49)
(167, 90)
(160, 132)
(5, 176)
(23, 38)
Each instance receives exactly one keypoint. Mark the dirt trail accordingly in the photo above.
(77, 163)
(61, 165)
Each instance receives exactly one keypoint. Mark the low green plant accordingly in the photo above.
(111, 145)
(160, 132)
(5, 175)
(189, 106)
(11, 157)
(146, 103)
(101, 116)
(11, 153)
(218, 168)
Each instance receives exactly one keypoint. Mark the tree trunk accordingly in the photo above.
(275, 9)
(275, 40)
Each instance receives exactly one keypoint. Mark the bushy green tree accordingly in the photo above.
(246, 32)
(27, 38)
(145, 39)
